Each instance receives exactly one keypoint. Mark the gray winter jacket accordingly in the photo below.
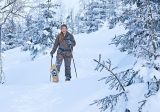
(65, 46)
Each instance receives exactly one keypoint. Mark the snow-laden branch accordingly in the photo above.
(9, 4)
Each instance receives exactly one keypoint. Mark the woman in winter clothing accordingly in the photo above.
(65, 43)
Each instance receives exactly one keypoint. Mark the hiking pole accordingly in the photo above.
(75, 67)
(74, 63)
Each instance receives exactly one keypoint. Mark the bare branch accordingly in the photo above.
(8, 5)
(142, 104)
(111, 73)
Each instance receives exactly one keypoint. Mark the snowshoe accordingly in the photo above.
(54, 74)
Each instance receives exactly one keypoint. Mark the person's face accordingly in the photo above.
(64, 30)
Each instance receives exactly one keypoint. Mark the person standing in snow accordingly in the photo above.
(65, 43)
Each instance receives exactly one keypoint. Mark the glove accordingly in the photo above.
(69, 43)
(51, 53)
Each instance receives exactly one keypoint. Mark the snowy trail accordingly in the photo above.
(50, 96)
(28, 88)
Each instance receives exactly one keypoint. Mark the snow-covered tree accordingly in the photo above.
(142, 40)
(114, 8)
(93, 16)
(8, 9)
(12, 34)
(117, 80)
(42, 29)
(143, 36)
(70, 21)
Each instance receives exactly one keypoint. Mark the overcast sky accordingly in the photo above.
(71, 4)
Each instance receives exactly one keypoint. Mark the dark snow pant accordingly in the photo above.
(67, 61)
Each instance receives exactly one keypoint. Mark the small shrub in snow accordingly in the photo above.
(116, 80)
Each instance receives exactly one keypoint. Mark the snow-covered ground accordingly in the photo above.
(28, 89)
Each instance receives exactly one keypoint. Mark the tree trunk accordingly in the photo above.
(1, 71)
(2, 77)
